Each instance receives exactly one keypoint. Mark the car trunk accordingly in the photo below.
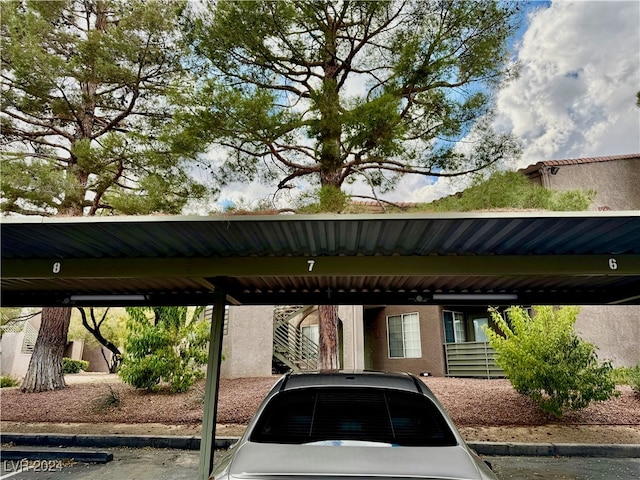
(274, 461)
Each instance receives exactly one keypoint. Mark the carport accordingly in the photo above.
(471, 259)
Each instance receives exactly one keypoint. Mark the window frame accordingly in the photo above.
(457, 319)
(404, 331)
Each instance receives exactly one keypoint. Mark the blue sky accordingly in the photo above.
(575, 96)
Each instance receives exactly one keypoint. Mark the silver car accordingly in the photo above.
(341, 425)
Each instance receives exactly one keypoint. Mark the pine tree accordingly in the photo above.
(86, 123)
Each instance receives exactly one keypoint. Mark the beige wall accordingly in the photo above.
(74, 349)
(615, 330)
(248, 345)
(93, 355)
(431, 341)
(617, 182)
(351, 317)
(13, 362)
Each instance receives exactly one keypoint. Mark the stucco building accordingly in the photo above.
(616, 179)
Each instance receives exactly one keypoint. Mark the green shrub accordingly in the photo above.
(73, 366)
(544, 359)
(8, 381)
(509, 190)
(634, 379)
(164, 346)
(327, 199)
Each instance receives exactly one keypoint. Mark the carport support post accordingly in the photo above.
(207, 442)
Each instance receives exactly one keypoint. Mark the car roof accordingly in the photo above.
(359, 378)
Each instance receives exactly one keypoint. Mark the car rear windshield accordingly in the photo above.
(361, 414)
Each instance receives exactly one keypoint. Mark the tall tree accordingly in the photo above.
(333, 91)
(86, 116)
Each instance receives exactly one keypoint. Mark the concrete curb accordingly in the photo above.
(556, 449)
(107, 441)
(19, 454)
(193, 443)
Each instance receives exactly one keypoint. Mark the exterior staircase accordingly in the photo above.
(290, 346)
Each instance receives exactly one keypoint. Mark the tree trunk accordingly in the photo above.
(45, 367)
(328, 348)
(94, 329)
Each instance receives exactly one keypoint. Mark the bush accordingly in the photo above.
(509, 190)
(634, 379)
(544, 359)
(164, 346)
(8, 381)
(73, 366)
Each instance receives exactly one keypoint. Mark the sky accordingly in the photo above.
(575, 96)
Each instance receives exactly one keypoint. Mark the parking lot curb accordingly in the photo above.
(193, 443)
(556, 449)
(107, 441)
(18, 454)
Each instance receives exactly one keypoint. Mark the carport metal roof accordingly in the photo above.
(520, 258)
(482, 258)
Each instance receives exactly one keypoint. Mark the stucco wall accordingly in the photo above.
(13, 362)
(431, 341)
(615, 330)
(617, 182)
(352, 337)
(93, 355)
(74, 349)
(248, 345)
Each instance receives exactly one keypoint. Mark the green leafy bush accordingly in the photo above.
(509, 190)
(164, 346)
(73, 366)
(326, 199)
(8, 381)
(634, 379)
(544, 359)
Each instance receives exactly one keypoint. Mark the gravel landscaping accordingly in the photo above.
(482, 409)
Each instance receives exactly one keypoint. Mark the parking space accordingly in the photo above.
(565, 468)
(129, 463)
(166, 464)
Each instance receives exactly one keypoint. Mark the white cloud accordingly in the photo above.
(580, 74)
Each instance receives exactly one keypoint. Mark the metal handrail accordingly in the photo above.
(289, 343)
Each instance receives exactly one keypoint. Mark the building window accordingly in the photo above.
(404, 336)
(310, 341)
(454, 330)
(312, 333)
(479, 325)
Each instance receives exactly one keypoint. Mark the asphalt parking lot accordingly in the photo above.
(161, 464)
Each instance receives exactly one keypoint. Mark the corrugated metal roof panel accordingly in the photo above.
(337, 235)
(30, 247)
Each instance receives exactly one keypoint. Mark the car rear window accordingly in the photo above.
(361, 414)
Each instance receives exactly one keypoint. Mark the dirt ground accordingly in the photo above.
(483, 410)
